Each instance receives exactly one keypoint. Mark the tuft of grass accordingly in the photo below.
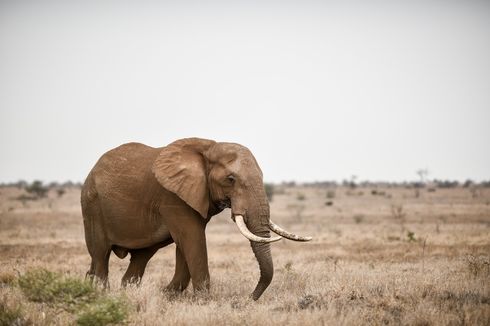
(311, 302)
(358, 218)
(330, 194)
(12, 316)
(104, 311)
(478, 265)
(41, 285)
(288, 266)
(300, 197)
(397, 212)
(411, 236)
(7, 278)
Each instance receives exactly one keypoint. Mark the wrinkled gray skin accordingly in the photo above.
(138, 199)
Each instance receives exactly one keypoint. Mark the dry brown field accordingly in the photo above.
(390, 258)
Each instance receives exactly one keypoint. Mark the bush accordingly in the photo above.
(330, 194)
(41, 285)
(300, 197)
(103, 312)
(92, 306)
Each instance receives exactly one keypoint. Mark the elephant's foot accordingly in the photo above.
(202, 286)
(176, 286)
(94, 280)
(128, 280)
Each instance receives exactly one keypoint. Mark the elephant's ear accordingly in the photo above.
(181, 168)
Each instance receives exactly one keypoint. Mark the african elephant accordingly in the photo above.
(138, 199)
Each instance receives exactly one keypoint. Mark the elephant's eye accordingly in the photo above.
(231, 178)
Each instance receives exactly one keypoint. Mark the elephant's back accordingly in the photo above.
(122, 171)
(126, 157)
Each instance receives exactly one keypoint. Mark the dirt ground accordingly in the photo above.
(379, 256)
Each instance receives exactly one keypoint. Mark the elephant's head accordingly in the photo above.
(210, 176)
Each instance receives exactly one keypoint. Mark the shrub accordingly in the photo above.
(38, 285)
(93, 307)
(41, 285)
(330, 194)
(300, 197)
(103, 312)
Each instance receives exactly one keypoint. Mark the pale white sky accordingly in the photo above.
(318, 90)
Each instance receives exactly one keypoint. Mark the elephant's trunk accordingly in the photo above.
(262, 252)
(258, 219)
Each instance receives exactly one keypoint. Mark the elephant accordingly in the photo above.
(138, 199)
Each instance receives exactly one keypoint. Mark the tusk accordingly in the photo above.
(249, 235)
(288, 235)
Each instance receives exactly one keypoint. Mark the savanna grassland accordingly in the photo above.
(379, 256)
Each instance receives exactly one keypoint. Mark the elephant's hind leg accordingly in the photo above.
(97, 244)
(99, 266)
(139, 260)
(101, 263)
(182, 275)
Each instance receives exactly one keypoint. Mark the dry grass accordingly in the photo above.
(362, 267)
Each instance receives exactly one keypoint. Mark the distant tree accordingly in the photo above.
(352, 183)
(422, 173)
(53, 184)
(446, 183)
(289, 183)
(269, 191)
(36, 188)
(485, 184)
(21, 184)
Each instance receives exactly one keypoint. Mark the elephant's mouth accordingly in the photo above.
(224, 203)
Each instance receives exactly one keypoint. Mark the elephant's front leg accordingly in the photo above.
(182, 275)
(196, 256)
(187, 230)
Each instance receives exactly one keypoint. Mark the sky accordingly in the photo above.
(317, 90)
